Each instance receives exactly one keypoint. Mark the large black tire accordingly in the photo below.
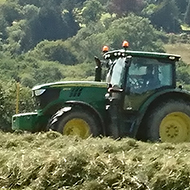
(77, 123)
(169, 122)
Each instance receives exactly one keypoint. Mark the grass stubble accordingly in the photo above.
(52, 161)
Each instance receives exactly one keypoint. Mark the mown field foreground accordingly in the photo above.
(52, 161)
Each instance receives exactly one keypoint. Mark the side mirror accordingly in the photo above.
(98, 69)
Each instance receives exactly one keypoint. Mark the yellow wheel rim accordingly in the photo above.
(175, 127)
(77, 127)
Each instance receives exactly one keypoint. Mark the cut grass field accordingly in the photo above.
(50, 161)
(180, 49)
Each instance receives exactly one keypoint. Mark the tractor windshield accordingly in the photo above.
(144, 74)
(115, 75)
(149, 74)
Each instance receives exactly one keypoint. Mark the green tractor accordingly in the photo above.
(139, 99)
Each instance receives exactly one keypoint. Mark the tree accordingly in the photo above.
(71, 5)
(11, 12)
(54, 51)
(48, 72)
(182, 6)
(50, 25)
(121, 7)
(8, 102)
(138, 31)
(165, 16)
(23, 24)
(70, 23)
(3, 25)
(16, 37)
(29, 2)
(88, 42)
(92, 11)
(30, 11)
(187, 14)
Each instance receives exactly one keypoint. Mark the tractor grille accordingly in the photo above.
(48, 96)
(76, 92)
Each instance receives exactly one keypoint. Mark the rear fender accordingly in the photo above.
(155, 100)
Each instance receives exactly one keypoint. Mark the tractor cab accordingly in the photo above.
(139, 74)
(138, 83)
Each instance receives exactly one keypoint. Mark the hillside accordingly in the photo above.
(52, 161)
(180, 49)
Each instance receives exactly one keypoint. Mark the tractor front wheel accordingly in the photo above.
(170, 122)
(76, 123)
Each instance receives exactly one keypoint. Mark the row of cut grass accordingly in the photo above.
(49, 160)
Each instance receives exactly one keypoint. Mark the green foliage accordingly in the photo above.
(11, 11)
(187, 14)
(124, 7)
(137, 30)
(27, 24)
(8, 99)
(164, 16)
(182, 6)
(3, 33)
(92, 11)
(23, 24)
(54, 51)
(84, 71)
(30, 71)
(88, 42)
(183, 75)
(48, 72)
(17, 37)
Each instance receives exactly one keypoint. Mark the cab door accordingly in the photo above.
(145, 77)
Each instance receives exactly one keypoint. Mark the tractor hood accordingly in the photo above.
(51, 97)
(58, 93)
(63, 84)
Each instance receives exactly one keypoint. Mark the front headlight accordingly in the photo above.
(39, 92)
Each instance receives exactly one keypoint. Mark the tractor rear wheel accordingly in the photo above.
(76, 123)
(170, 122)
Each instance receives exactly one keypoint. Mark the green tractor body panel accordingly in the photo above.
(53, 96)
(25, 121)
(32, 122)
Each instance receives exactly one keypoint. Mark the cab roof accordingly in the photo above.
(123, 53)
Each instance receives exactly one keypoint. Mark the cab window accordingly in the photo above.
(148, 74)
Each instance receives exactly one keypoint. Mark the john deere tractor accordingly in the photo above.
(138, 99)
